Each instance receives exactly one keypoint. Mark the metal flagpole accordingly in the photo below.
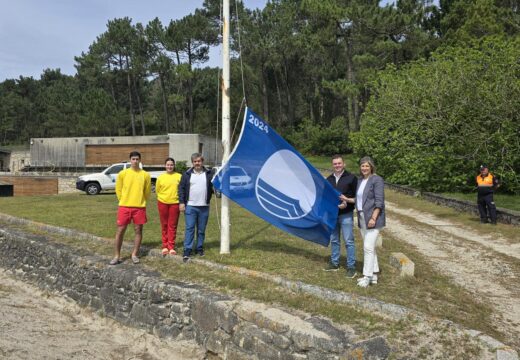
(226, 138)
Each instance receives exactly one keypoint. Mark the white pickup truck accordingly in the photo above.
(93, 184)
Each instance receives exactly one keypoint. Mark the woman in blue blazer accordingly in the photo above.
(370, 206)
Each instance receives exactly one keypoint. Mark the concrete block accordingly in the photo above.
(379, 241)
(506, 353)
(403, 264)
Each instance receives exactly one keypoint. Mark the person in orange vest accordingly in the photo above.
(486, 185)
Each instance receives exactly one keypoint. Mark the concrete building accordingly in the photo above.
(103, 151)
(14, 160)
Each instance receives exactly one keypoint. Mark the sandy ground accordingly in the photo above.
(488, 267)
(38, 325)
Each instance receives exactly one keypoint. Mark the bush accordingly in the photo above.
(431, 124)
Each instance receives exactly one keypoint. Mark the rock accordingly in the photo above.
(403, 264)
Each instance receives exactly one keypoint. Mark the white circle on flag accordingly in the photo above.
(285, 187)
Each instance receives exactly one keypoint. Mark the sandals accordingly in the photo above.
(164, 252)
(173, 252)
(135, 259)
(115, 261)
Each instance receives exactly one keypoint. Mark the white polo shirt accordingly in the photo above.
(198, 189)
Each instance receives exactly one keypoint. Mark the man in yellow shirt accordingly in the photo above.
(133, 188)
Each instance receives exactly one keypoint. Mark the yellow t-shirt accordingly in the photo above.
(167, 188)
(133, 188)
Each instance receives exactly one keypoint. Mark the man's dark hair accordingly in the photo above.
(135, 153)
(336, 156)
(196, 156)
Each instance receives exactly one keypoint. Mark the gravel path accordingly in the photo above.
(37, 325)
(488, 267)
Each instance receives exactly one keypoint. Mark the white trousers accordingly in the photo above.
(370, 265)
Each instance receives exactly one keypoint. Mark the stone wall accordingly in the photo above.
(67, 184)
(19, 159)
(503, 215)
(226, 327)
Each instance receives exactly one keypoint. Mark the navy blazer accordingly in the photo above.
(184, 186)
(373, 197)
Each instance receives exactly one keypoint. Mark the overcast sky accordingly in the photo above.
(40, 34)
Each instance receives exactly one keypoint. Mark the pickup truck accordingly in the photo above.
(93, 184)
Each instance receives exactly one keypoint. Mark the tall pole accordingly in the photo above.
(226, 137)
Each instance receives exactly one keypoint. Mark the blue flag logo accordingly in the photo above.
(268, 177)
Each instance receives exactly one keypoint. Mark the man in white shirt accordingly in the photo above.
(195, 192)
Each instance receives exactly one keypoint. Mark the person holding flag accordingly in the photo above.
(345, 183)
(267, 176)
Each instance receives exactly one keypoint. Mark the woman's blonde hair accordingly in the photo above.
(368, 160)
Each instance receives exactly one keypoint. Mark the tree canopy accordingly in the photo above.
(319, 71)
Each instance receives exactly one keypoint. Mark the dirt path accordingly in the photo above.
(34, 325)
(488, 267)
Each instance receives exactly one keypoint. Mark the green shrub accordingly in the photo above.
(314, 139)
(432, 123)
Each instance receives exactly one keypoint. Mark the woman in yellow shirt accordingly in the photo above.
(166, 187)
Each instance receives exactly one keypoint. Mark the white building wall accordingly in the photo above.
(70, 152)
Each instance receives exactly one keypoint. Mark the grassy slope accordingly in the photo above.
(258, 246)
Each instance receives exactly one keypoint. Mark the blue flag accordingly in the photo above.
(268, 177)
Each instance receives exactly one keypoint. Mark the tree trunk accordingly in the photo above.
(290, 109)
(351, 97)
(130, 105)
(165, 104)
(281, 116)
(265, 97)
(143, 130)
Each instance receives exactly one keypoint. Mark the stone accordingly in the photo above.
(216, 342)
(491, 342)
(213, 311)
(402, 263)
(506, 353)
(379, 241)
(235, 353)
(372, 349)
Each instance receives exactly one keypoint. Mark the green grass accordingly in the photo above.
(506, 201)
(258, 246)
(471, 220)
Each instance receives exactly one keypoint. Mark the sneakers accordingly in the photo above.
(115, 261)
(185, 259)
(351, 273)
(331, 267)
(364, 282)
(373, 280)
(367, 280)
(135, 259)
(201, 252)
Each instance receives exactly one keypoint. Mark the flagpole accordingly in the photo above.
(226, 141)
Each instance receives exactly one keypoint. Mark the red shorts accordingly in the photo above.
(125, 215)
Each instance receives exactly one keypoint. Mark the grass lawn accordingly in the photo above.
(506, 201)
(259, 246)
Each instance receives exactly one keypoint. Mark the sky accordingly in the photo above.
(40, 34)
(46, 34)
